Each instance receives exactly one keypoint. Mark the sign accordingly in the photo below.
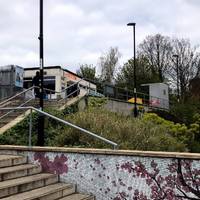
(19, 73)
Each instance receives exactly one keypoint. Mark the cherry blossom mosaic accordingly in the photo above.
(125, 177)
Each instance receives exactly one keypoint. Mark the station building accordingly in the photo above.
(56, 78)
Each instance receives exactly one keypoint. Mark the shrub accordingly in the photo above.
(151, 132)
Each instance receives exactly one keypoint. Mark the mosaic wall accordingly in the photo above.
(125, 177)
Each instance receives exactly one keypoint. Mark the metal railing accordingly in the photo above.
(21, 105)
(115, 145)
(23, 97)
(15, 96)
(2, 103)
(148, 101)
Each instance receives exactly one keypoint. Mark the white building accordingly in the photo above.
(56, 78)
(158, 95)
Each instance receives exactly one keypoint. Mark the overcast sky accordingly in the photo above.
(79, 31)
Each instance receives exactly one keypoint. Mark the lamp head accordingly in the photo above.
(131, 24)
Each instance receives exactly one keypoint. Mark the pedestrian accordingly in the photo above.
(36, 83)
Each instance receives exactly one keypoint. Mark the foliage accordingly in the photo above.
(150, 132)
(186, 111)
(87, 71)
(18, 135)
(125, 78)
(96, 102)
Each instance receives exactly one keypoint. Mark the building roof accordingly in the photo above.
(37, 68)
(59, 67)
(53, 67)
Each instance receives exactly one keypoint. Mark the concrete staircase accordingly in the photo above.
(15, 117)
(20, 180)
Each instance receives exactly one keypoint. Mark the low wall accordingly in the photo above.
(122, 107)
(120, 175)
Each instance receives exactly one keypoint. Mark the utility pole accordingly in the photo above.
(177, 71)
(134, 62)
(40, 141)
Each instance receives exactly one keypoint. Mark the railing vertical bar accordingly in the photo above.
(30, 129)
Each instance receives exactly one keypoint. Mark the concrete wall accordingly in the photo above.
(120, 175)
(119, 107)
(122, 107)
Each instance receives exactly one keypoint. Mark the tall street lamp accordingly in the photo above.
(134, 63)
(40, 141)
(177, 72)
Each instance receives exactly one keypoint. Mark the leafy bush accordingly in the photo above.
(148, 133)
(186, 111)
(18, 135)
(96, 102)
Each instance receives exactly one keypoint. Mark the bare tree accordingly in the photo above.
(108, 64)
(157, 49)
(188, 64)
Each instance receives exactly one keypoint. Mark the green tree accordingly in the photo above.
(87, 71)
(125, 78)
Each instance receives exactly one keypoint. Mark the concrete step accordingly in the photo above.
(27, 183)
(2, 125)
(11, 160)
(7, 119)
(13, 114)
(2, 112)
(8, 173)
(78, 197)
(50, 192)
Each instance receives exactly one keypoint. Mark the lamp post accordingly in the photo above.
(177, 72)
(40, 141)
(134, 63)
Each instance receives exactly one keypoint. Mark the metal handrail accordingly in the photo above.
(62, 89)
(11, 98)
(115, 145)
(1, 117)
(5, 98)
(31, 88)
(54, 91)
(72, 85)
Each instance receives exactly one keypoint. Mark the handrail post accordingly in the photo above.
(30, 129)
